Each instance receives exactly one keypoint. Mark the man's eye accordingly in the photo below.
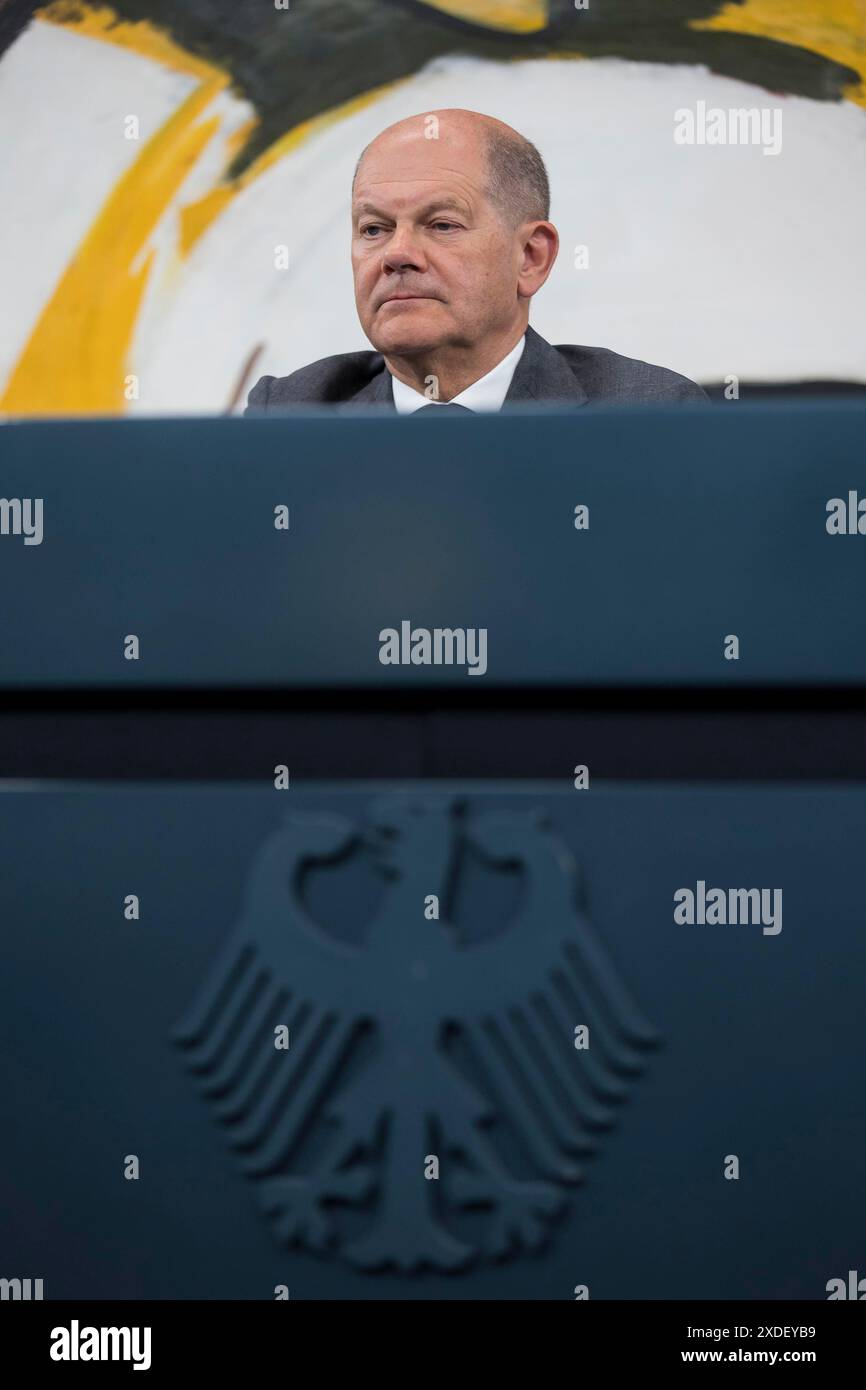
(449, 226)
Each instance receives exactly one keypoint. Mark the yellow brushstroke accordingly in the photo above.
(510, 16)
(196, 217)
(74, 360)
(834, 28)
(95, 306)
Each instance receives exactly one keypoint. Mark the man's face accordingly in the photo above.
(434, 263)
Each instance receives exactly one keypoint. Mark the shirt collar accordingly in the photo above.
(487, 393)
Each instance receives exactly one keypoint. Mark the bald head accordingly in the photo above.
(516, 180)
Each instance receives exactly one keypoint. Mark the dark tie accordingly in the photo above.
(444, 409)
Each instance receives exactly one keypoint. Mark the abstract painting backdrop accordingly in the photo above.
(174, 182)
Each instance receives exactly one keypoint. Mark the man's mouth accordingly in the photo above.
(402, 298)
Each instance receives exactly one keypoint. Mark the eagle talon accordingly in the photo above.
(295, 1204)
(520, 1210)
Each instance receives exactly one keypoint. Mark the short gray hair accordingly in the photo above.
(517, 182)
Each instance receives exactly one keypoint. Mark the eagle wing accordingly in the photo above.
(276, 968)
(524, 994)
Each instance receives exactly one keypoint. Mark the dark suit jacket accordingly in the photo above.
(568, 374)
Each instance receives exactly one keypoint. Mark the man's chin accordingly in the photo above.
(408, 332)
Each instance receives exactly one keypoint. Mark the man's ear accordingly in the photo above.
(540, 247)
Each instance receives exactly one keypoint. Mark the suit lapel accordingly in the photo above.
(378, 390)
(543, 375)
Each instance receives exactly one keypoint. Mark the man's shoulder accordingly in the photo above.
(601, 377)
(608, 377)
(328, 380)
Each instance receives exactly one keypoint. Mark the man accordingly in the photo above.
(451, 238)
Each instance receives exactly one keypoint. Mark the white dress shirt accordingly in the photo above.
(487, 393)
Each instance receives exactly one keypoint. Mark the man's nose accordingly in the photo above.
(403, 251)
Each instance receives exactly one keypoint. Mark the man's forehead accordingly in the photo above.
(407, 154)
(414, 141)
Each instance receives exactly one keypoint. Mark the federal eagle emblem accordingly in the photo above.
(414, 1044)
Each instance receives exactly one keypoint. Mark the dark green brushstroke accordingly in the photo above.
(293, 64)
(15, 15)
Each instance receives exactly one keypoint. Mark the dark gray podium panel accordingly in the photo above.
(411, 1038)
(702, 523)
